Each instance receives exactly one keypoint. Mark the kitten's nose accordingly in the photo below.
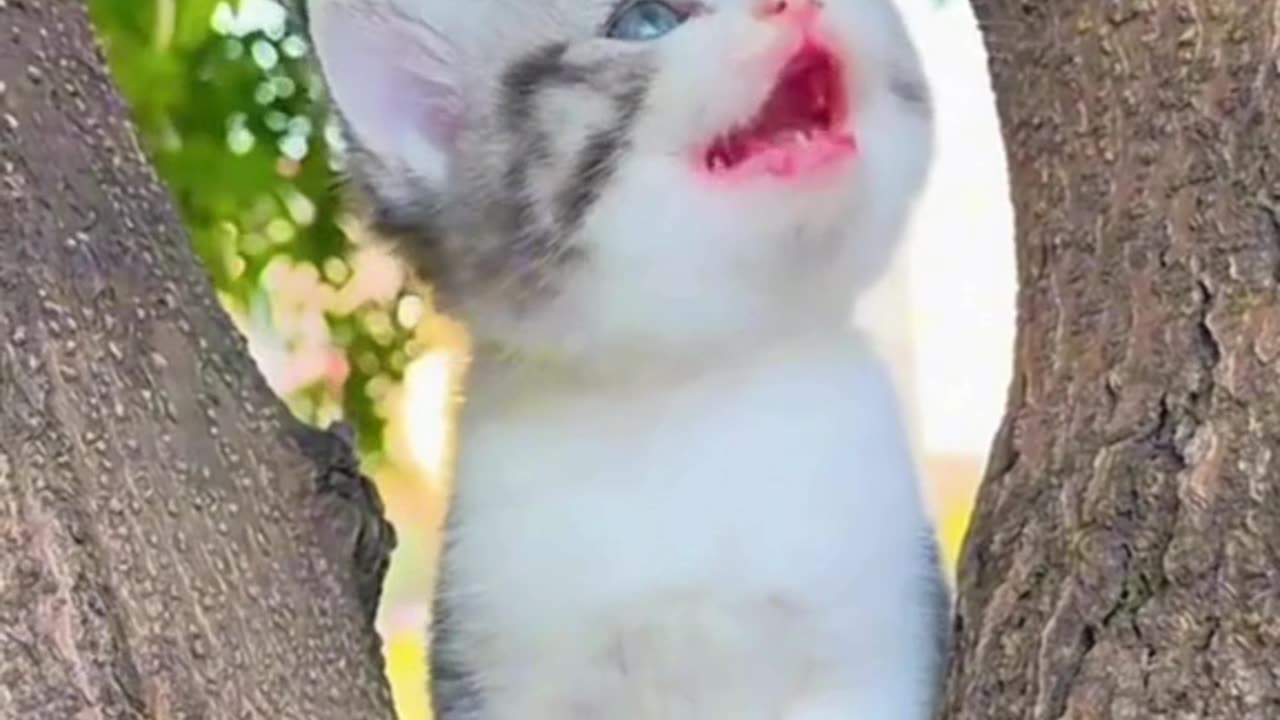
(801, 11)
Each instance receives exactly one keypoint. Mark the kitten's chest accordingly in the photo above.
(750, 483)
(643, 565)
(722, 485)
(683, 555)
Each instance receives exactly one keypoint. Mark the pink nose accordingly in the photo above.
(793, 10)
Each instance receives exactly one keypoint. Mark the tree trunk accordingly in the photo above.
(1124, 557)
(172, 543)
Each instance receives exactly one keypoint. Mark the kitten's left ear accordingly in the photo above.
(391, 75)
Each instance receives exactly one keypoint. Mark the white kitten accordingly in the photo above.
(683, 490)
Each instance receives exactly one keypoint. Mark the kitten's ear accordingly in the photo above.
(391, 76)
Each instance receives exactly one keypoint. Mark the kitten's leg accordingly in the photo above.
(454, 692)
(453, 695)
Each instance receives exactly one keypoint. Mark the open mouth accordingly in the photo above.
(800, 126)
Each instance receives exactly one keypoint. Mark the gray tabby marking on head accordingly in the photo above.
(524, 235)
(566, 199)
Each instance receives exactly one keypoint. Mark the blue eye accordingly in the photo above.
(645, 20)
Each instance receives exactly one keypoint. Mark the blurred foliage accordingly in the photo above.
(225, 101)
(224, 98)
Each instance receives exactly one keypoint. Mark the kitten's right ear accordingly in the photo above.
(391, 76)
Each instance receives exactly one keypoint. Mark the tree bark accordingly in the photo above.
(1124, 556)
(172, 543)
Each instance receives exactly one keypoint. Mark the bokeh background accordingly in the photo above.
(230, 111)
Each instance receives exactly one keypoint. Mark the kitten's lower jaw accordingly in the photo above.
(801, 129)
(795, 156)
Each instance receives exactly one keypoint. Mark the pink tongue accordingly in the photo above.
(793, 132)
(801, 101)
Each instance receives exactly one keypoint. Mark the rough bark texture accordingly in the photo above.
(1124, 558)
(172, 543)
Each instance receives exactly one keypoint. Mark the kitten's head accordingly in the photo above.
(668, 178)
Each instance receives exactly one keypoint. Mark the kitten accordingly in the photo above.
(683, 491)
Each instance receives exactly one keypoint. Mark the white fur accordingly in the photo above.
(745, 544)
(674, 269)
(681, 270)
(706, 510)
